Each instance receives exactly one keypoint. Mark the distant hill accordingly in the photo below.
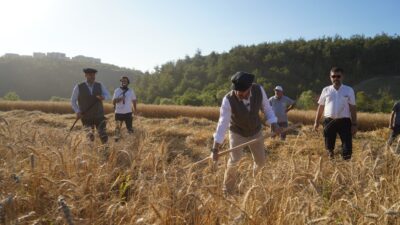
(373, 86)
(41, 78)
(370, 63)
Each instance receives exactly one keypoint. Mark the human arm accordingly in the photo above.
(222, 127)
(74, 102)
(116, 96)
(393, 114)
(320, 109)
(391, 125)
(318, 115)
(291, 106)
(134, 101)
(353, 112)
(269, 114)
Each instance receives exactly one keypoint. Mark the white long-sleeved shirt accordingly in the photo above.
(75, 94)
(226, 113)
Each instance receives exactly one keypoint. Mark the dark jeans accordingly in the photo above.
(342, 127)
(282, 125)
(394, 134)
(100, 124)
(127, 117)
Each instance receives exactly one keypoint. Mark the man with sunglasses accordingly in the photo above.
(240, 112)
(337, 103)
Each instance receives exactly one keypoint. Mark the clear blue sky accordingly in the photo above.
(147, 33)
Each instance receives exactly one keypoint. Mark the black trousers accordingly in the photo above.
(100, 124)
(341, 126)
(127, 117)
(394, 134)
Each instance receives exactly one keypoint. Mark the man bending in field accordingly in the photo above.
(240, 112)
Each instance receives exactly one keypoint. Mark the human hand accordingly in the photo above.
(100, 97)
(276, 129)
(215, 151)
(353, 129)
(316, 125)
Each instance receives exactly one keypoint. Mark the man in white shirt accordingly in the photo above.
(87, 102)
(240, 112)
(337, 103)
(123, 99)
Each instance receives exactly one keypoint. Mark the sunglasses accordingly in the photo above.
(336, 76)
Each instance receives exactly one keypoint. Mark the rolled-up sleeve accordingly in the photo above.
(267, 108)
(74, 99)
(224, 120)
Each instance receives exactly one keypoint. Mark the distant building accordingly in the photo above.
(39, 55)
(85, 59)
(56, 55)
(10, 55)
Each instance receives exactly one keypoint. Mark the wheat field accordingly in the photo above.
(366, 121)
(47, 177)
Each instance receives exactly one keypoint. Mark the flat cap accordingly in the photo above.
(242, 81)
(89, 70)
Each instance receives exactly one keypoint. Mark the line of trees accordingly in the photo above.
(300, 66)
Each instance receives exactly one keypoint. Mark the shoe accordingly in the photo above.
(331, 154)
(91, 137)
(130, 131)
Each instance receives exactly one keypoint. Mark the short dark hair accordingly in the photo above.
(337, 69)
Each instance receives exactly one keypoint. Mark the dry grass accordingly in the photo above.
(366, 121)
(47, 180)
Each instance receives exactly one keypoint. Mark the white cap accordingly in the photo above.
(278, 88)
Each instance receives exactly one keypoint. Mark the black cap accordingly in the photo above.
(89, 70)
(242, 81)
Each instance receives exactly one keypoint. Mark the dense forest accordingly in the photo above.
(371, 64)
(300, 66)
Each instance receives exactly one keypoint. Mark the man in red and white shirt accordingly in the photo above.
(337, 103)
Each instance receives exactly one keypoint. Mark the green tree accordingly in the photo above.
(307, 100)
(384, 103)
(364, 102)
(11, 96)
(166, 101)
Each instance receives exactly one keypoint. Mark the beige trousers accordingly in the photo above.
(257, 151)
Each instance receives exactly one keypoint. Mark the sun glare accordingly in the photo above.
(22, 13)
